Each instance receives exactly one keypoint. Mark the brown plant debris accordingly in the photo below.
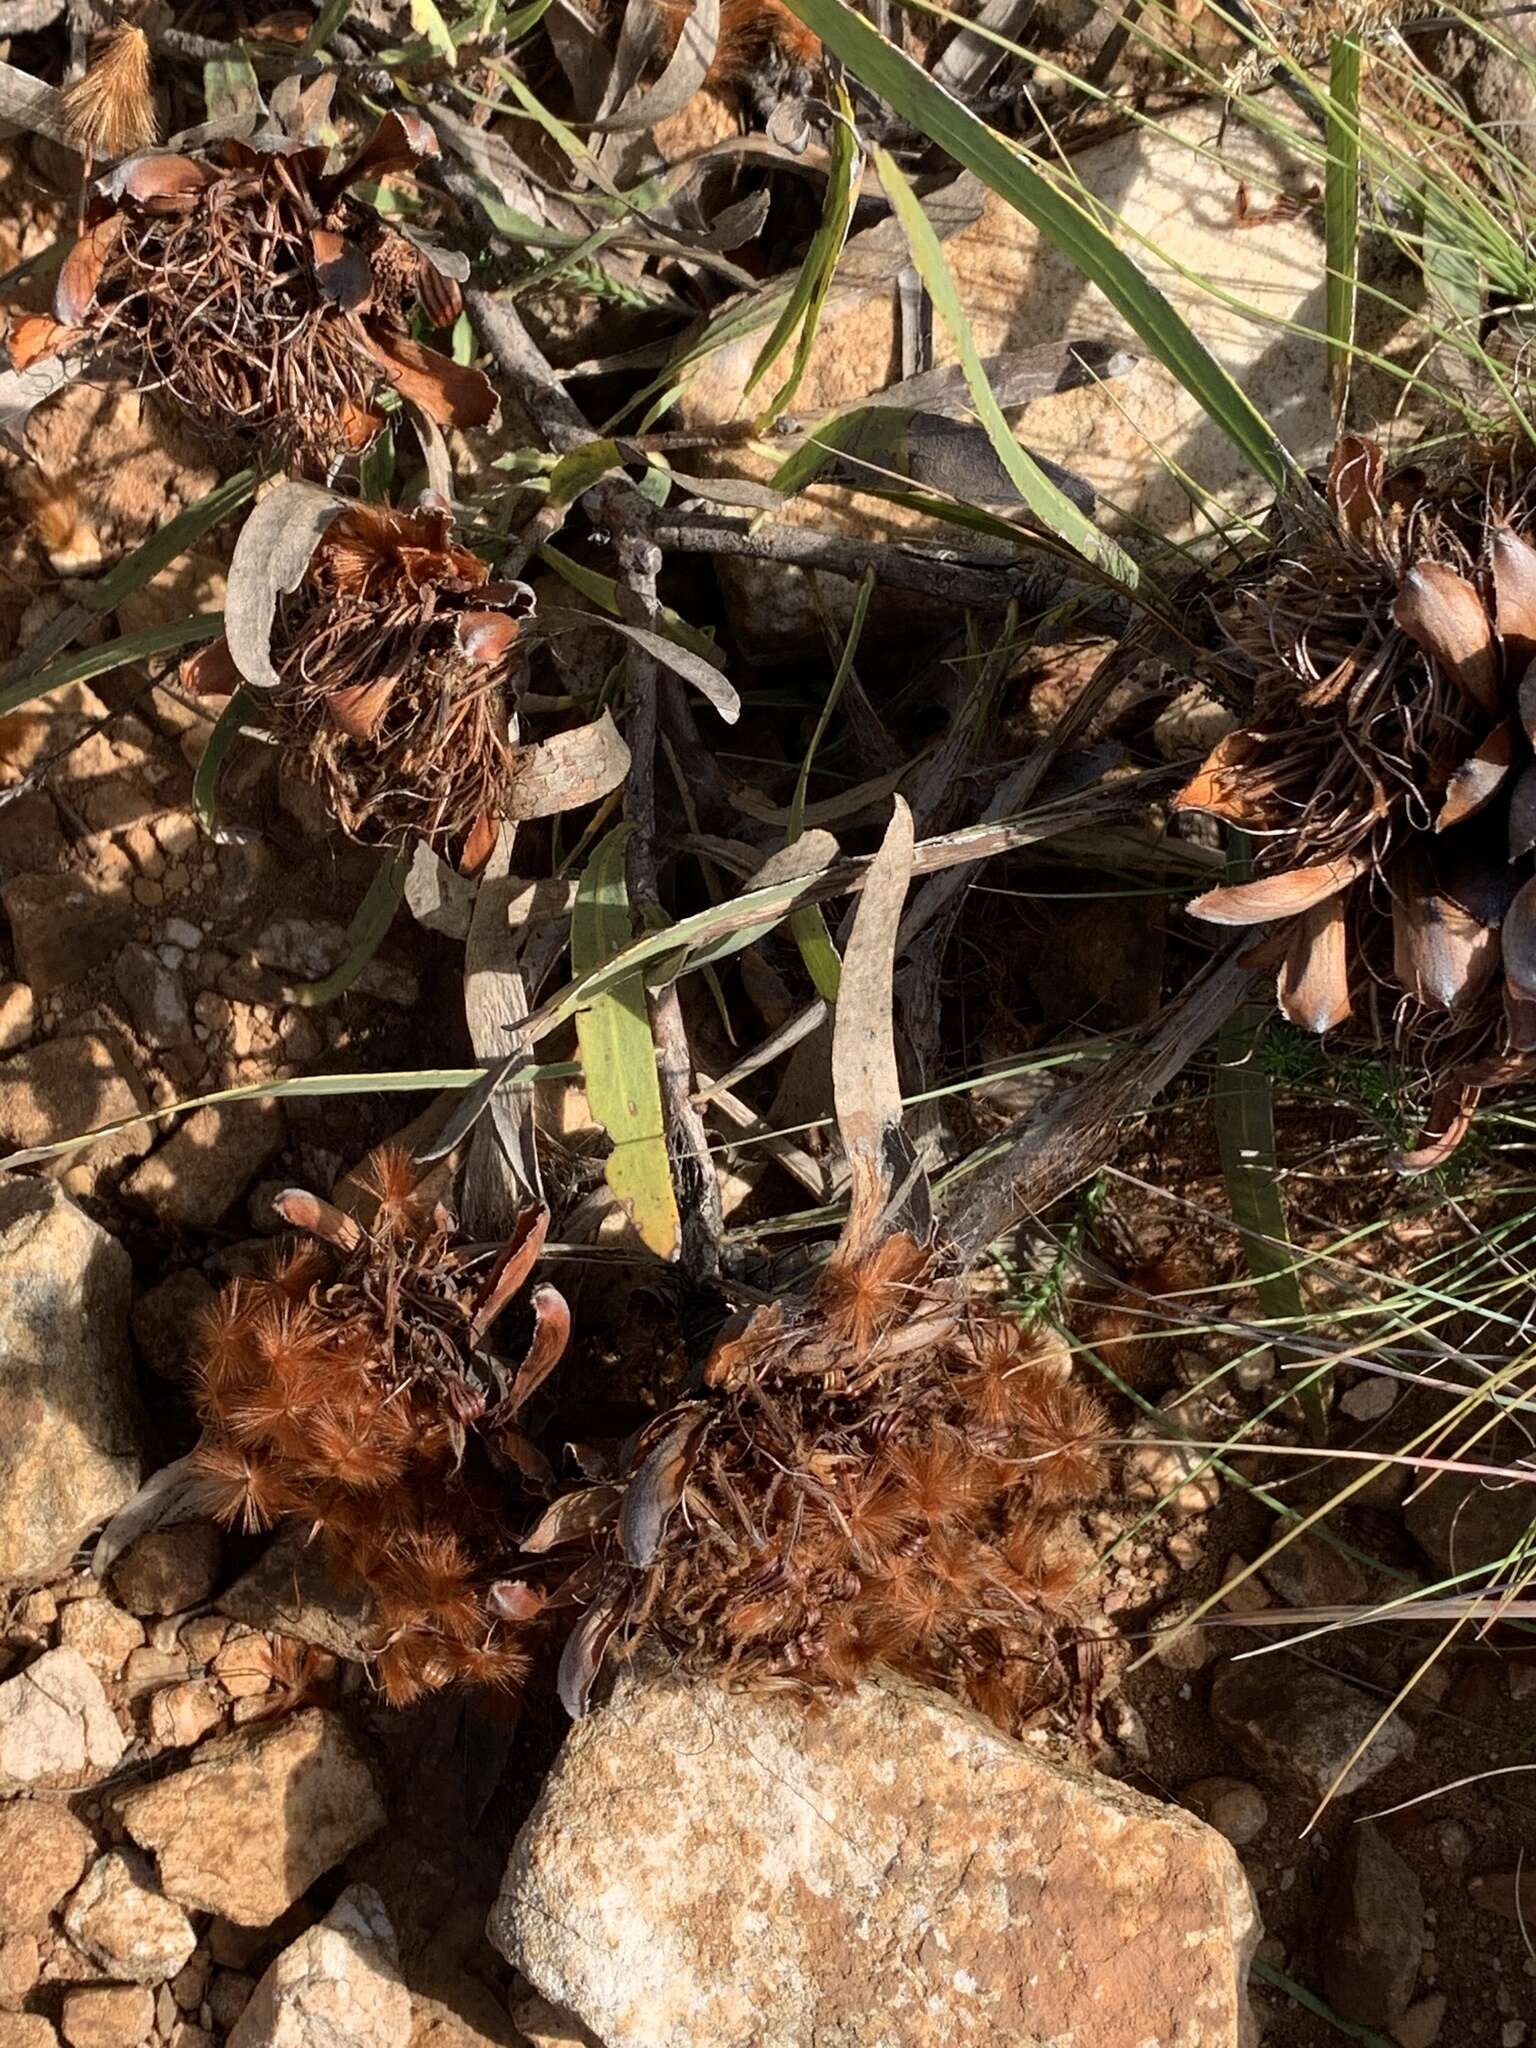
(354, 1390)
(1387, 772)
(389, 675)
(876, 1475)
(260, 296)
(109, 111)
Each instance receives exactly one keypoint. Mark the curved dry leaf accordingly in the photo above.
(1514, 598)
(440, 296)
(319, 1218)
(1519, 941)
(551, 1334)
(1283, 895)
(1444, 616)
(399, 143)
(36, 338)
(682, 661)
(1480, 777)
(511, 1269)
(1522, 812)
(343, 273)
(1355, 473)
(573, 1518)
(450, 394)
(211, 672)
(80, 273)
(486, 637)
(1519, 1019)
(656, 1489)
(1314, 976)
(686, 71)
(176, 1493)
(582, 1658)
(1449, 1120)
(1216, 787)
(359, 709)
(479, 844)
(160, 183)
(270, 557)
(568, 770)
(1441, 954)
(514, 1600)
(866, 1087)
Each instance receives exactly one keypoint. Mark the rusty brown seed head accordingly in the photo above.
(353, 1390)
(875, 1477)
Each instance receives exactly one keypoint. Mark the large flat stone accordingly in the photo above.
(885, 1871)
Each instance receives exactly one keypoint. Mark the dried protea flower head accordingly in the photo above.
(1386, 771)
(387, 661)
(876, 1477)
(109, 111)
(875, 1470)
(260, 296)
(355, 1391)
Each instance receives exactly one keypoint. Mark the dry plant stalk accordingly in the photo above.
(261, 297)
(1387, 772)
(353, 1391)
(879, 1475)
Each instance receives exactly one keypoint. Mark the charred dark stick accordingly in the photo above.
(1052, 1149)
(975, 586)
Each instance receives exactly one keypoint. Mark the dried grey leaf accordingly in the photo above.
(269, 560)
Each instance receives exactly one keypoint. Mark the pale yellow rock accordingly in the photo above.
(1172, 200)
(886, 1871)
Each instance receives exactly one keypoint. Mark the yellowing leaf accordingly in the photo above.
(618, 1056)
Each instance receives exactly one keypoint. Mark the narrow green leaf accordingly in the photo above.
(618, 1055)
(111, 654)
(1064, 222)
(1049, 503)
(327, 21)
(1341, 210)
(409, 1081)
(603, 592)
(205, 784)
(1242, 1102)
(428, 22)
(581, 469)
(366, 933)
(808, 926)
(808, 295)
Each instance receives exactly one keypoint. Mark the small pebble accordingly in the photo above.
(1369, 1400)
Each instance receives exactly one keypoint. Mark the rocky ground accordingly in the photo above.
(212, 1831)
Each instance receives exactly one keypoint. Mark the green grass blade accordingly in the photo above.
(1048, 502)
(366, 933)
(809, 292)
(205, 784)
(1242, 1100)
(1069, 226)
(618, 1054)
(1341, 210)
(111, 654)
(809, 925)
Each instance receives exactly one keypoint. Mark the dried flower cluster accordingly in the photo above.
(1386, 770)
(110, 109)
(876, 1477)
(260, 296)
(393, 658)
(354, 1391)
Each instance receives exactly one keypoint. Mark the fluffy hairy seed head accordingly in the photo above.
(856, 1490)
(370, 1407)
